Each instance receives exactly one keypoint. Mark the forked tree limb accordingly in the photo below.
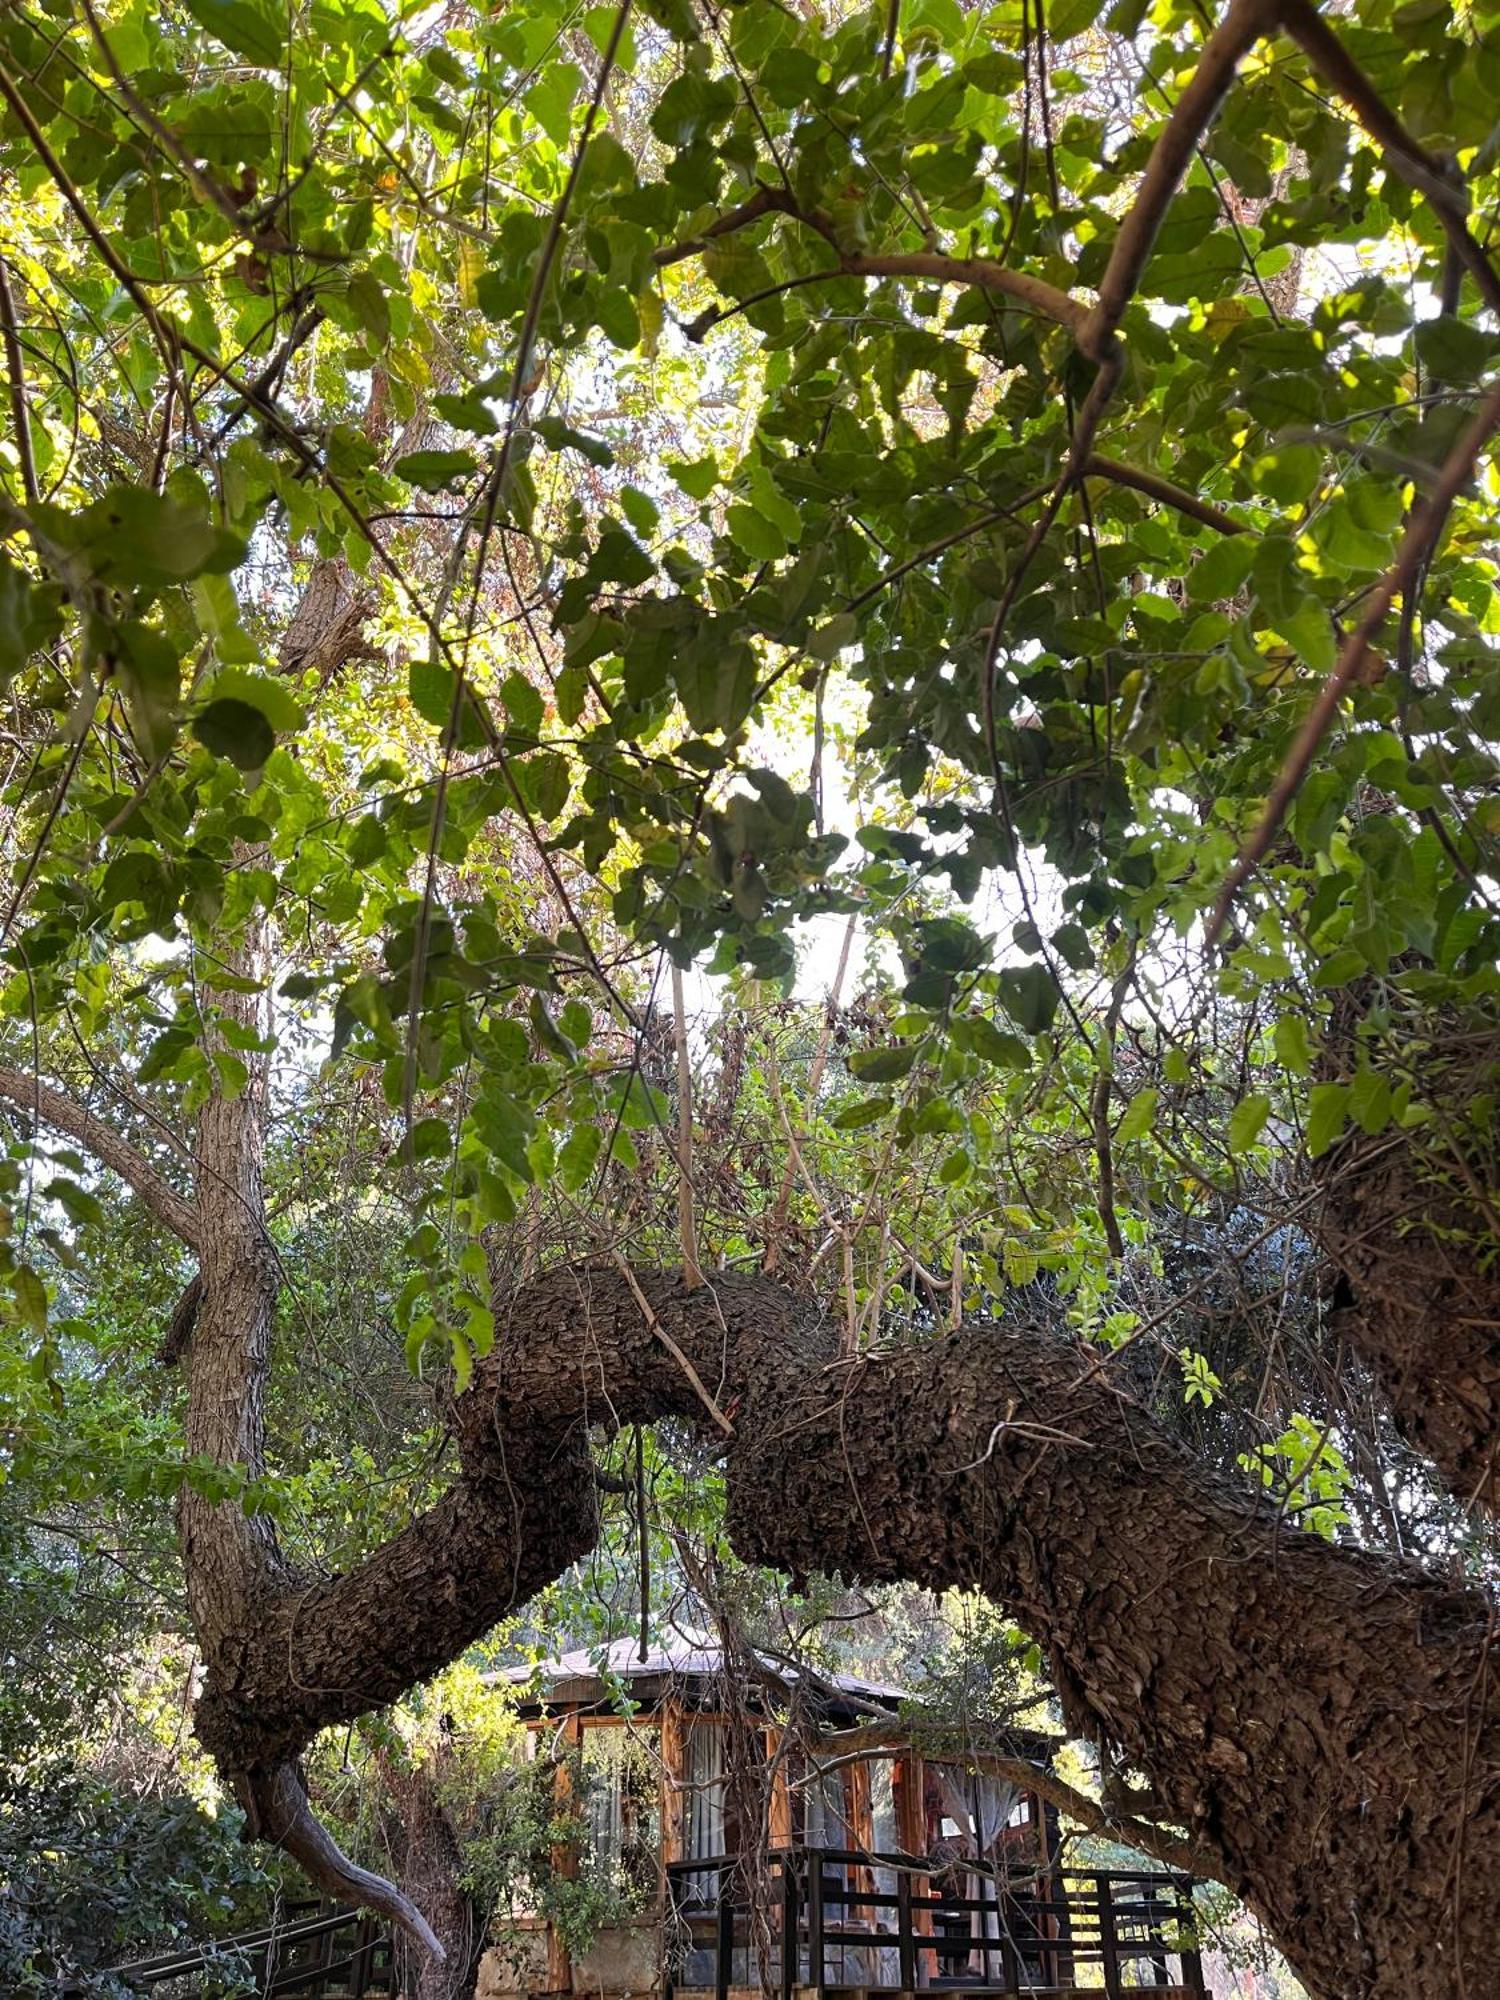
(1424, 530)
(930, 266)
(1412, 161)
(283, 1816)
(1321, 1720)
(64, 1113)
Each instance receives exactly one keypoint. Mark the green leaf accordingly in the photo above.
(1327, 1115)
(640, 510)
(697, 477)
(135, 538)
(29, 619)
(1454, 350)
(1370, 1101)
(1218, 574)
(30, 1296)
(371, 307)
(1138, 1117)
(1070, 17)
(233, 729)
(1021, 1263)
(431, 1139)
(754, 533)
(253, 30)
(1029, 994)
(272, 697)
(869, 1111)
(434, 470)
(884, 1065)
(576, 1160)
(1293, 1052)
(1247, 1121)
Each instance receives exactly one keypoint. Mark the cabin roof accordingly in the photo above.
(685, 1657)
(690, 1665)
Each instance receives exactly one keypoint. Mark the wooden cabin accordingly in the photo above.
(794, 1839)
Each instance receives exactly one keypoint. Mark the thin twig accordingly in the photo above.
(695, 1380)
(1423, 532)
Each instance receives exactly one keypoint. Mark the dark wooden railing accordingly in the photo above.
(316, 1952)
(835, 1917)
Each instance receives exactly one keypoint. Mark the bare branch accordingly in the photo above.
(851, 1745)
(932, 266)
(686, 1220)
(1191, 116)
(54, 1107)
(15, 371)
(1154, 487)
(1421, 169)
(283, 1815)
(1423, 532)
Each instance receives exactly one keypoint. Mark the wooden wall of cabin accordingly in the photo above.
(672, 1722)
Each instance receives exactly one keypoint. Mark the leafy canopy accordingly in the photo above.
(507, 493)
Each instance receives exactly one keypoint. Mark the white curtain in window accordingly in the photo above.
(703, 1833)
(703, 1816)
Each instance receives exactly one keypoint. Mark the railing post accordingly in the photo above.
(817, 1972)
(791, 1923)
(1187, 1919)
(725, 1954)
(1109, 1943)
(364, 1952)
(906, 1945)
(1010, 1961)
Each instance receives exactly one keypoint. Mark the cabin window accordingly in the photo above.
(827, 1818)
(622, 1813)
(885, 1829)
(704, 1834)
(967, 1810)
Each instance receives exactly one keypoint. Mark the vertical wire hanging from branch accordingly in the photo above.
(687, 1222)
(643, 1537)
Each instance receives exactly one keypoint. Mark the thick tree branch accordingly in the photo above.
(55, 1108)
(15, 377)
(930, 266)
(1242, 26)
(1263, 1681)
(1167, 491)
(764, 201)
(280, 1813)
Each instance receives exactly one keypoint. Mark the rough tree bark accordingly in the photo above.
(1409, 1216)
(1409, 1235)
(428, 1859)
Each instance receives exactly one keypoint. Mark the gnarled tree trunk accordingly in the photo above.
(1325, 1723)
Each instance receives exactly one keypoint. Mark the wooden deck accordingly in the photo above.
(847, 1922)
(894, 1993)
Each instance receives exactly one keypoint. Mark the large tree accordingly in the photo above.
(498, 504)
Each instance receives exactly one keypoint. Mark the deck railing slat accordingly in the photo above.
(1030, 1932)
